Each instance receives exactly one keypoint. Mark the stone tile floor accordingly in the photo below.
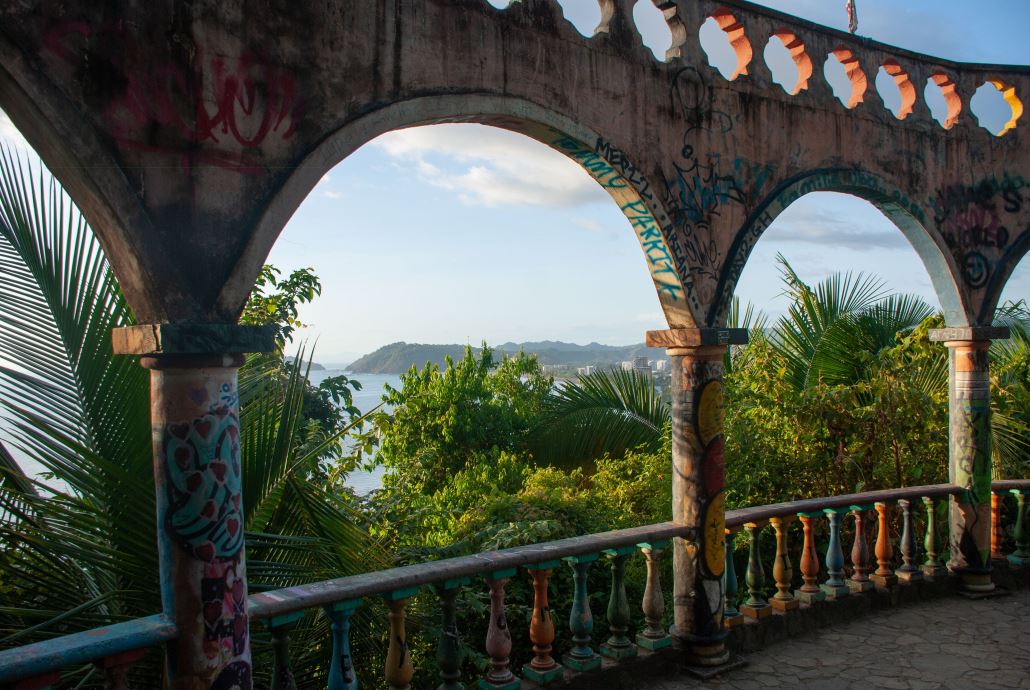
(952, 643)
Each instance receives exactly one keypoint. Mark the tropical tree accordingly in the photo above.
(77, 545)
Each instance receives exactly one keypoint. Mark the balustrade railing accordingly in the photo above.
(113, 649)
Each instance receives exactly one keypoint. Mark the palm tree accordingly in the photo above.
(833, 333)
(77, 543)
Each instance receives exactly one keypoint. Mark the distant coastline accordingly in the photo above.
(397, 358)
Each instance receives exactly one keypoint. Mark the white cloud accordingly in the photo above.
(839, 221)
(491, 167)
(589, 224)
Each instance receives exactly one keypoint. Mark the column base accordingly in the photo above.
(835, 591)
(542, 676)
(707, 655)
(513, 684)
(618, 652)
(581, 663)
(784, 605)
(909, 576)
(976, 580)
(756, 612)
(884, 581)
(859, 586)
(934, 572)
(655, 643)
(809, 597)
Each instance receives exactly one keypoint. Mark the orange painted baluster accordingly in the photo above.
(543, 668)
(783, 573)
(399, 669)
(884, 576)
(809, 592)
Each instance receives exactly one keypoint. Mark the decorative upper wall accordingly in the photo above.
(190, 132)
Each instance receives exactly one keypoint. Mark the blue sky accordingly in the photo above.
(435, 234)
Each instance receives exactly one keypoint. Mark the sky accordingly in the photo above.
(479, 251)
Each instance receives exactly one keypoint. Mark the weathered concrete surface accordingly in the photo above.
(190, 132)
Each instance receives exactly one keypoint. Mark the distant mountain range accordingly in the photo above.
(397, 358)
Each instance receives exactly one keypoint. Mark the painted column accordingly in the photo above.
(698, 500)
(194, 413)
(196, 432)
(969, 451)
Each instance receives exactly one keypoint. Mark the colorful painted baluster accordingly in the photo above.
(116, 668)
(498, 637)
(932, 566)
(783, 573)
(654, 635)
(448, 648)
(859, 580)
(755, 606)
(282, 672)
(884, 576)
(543, 668)
(834, 587)
(997, 503)
(731, 615)
(1021, 556)
(619, 645)
(581, 657)
(908, 572)
(399, 669)
(810, 591)
(341, 669)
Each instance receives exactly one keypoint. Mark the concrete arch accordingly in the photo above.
(907, 215)
(628, 186)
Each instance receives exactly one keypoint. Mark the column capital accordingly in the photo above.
(192, 339)
(675, 338)
(968, 334)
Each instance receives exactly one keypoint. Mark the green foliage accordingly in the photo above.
(443, 420)
(608, 412)
(276, 301)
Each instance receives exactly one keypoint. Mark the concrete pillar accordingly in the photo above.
(698, 499)
(969, 451)
(198, 479)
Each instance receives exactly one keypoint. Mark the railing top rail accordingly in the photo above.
(736, 518)
(290, 599)
(1009, 484)
(80, 648)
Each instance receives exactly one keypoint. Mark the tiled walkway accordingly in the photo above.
(954, 643)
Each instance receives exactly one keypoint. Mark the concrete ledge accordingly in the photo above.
(192, 339)
(944, 335)
(696, 337)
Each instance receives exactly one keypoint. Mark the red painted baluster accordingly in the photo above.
(116, 668)
(498, 637)
(996, 533)
(859, 581)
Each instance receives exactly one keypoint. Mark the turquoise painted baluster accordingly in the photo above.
(448, 649)
(341, 668)
(1021, 556)
(730, 616)
(755, 606)
(835, 587)
(282, 673)
(581, 622)
(619, 645)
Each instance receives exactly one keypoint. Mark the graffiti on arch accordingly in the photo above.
(218, 110)
(971, 219)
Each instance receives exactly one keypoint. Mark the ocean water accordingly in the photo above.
(370, 395)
